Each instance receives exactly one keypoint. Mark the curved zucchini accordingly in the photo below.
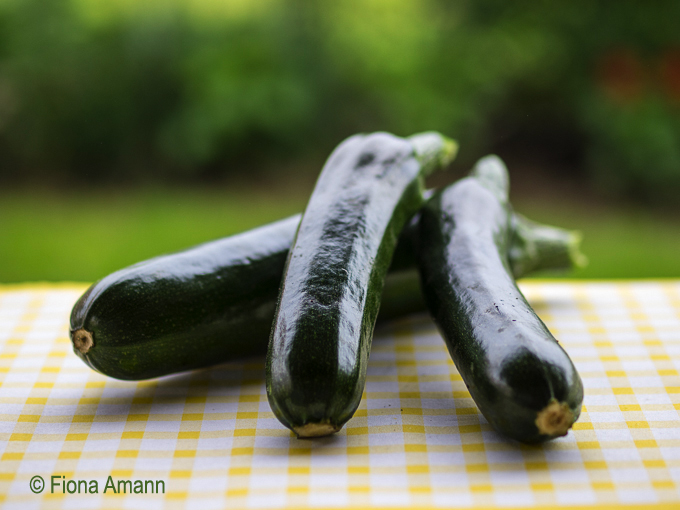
(192, 309)
(521, 379)
(369, 188)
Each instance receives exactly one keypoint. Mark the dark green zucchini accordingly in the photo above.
(368, 190)
(521, 379)
(192, 309)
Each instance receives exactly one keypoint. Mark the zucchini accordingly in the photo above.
(368, 190)
(215, 302)
(192, 309)
(520, 377)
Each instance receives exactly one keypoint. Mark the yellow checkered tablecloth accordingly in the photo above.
(207, 439)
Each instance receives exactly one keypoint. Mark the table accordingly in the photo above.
(207, 439)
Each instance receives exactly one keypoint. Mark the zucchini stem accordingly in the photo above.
(82, 340)
(310, 430)
(433, 151)
(555, 419)
(577, 258)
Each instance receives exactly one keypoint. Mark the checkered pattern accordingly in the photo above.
(417, 439)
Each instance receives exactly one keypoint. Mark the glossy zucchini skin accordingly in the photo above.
(520, 377)
(368, 190)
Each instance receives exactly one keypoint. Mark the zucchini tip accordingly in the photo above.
(82, 340)
(310, 430)
(555, 419)
(578, 259)
(433, 150)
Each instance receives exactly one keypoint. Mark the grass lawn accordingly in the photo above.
(49, 236)
(84, 236)
(620, 241)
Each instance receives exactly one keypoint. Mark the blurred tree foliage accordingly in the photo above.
(129, 89)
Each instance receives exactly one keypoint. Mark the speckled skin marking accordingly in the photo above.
(510, 362)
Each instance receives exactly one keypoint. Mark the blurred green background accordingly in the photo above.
(130, 128)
